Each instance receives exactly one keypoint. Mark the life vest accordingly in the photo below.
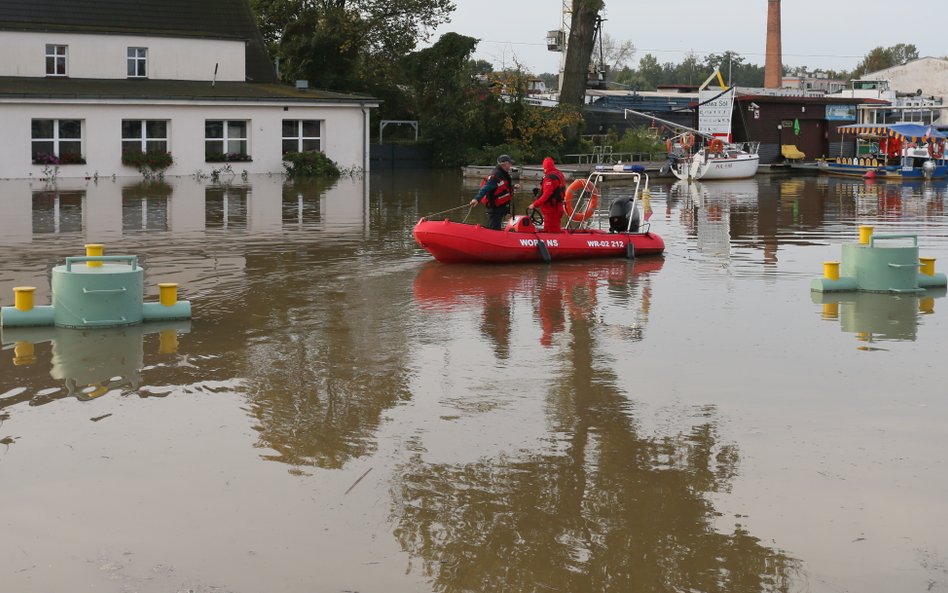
(559, 192)
(499, 196)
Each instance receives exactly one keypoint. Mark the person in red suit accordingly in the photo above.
(551, 197)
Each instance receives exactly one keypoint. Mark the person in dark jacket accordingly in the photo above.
(552, 197)
(497, 192)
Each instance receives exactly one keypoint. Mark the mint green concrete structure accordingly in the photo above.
(109, 294)
(889, 263)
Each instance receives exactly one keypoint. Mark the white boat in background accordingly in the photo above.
(717, 160)
(714, 156)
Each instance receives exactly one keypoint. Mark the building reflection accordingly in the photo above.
(595, 510)
(875, 317)
(97, 210)
(88, 363)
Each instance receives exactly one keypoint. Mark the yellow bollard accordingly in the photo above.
(830, 310)
(167, 341)
(865, 233)
(926, 305)
(95, 250)
(167, 293)
(831, 270)
(23, 353)
(23, 297)
(928, 265)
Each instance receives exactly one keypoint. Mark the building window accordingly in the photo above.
(301, 135)
(137, 62)
(57, 141)
(55, 60)
(148, 135)
(225, 140)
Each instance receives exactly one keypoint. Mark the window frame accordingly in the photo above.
(226, 138)
(132, 62)
(144, 138)
(52, 53)
(56, 140)
(299, 137)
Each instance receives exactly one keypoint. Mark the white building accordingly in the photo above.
(925, 78)
(82, 81)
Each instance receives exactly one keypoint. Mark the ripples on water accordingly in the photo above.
(584, 426)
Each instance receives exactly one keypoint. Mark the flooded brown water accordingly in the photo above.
(344, 414)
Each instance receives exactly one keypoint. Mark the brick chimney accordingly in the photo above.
(773, 64)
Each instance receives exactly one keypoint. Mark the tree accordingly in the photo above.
(578, 52)
(881, 58)
(650, 70)
(347, 45)
(616, 54)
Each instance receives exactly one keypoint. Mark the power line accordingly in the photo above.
(690, 51)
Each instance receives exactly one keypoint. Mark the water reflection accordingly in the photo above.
(874, 317)
(555, 290)
(607, 506)
(88, 363)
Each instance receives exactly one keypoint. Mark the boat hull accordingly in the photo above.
(883, 172)
(740, 167)
(453, 242)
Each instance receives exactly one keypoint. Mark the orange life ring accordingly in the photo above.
(574, 194)
(716, 145)
(687, 140)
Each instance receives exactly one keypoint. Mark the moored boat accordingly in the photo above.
(523, 241)
(900, 152)
(718, 160)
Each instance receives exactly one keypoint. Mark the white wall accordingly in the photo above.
(344, 135)
(104, 56)
(928, 74)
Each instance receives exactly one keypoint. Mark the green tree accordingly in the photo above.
(650, 70)
(881, 58)
(441, 80)
(347, 45)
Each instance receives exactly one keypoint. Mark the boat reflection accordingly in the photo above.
(706, 211)
(89, 363)
(594, 509)
(559, 292)
(875, 317)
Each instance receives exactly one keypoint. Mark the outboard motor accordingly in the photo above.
(619, 213)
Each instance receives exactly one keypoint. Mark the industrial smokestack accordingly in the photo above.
(773, 64)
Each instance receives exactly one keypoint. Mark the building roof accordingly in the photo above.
(215, 19)
(167, 90)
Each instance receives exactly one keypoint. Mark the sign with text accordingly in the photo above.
(714, 112)
(841, 112)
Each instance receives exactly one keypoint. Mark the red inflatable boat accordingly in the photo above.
(520, 241)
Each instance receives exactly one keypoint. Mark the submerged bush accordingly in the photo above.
(311, 163)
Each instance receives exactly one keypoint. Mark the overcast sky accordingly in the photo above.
(816, 33)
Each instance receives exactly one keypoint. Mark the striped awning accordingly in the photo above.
(904, 132)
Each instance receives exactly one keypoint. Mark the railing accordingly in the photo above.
(610, 157)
